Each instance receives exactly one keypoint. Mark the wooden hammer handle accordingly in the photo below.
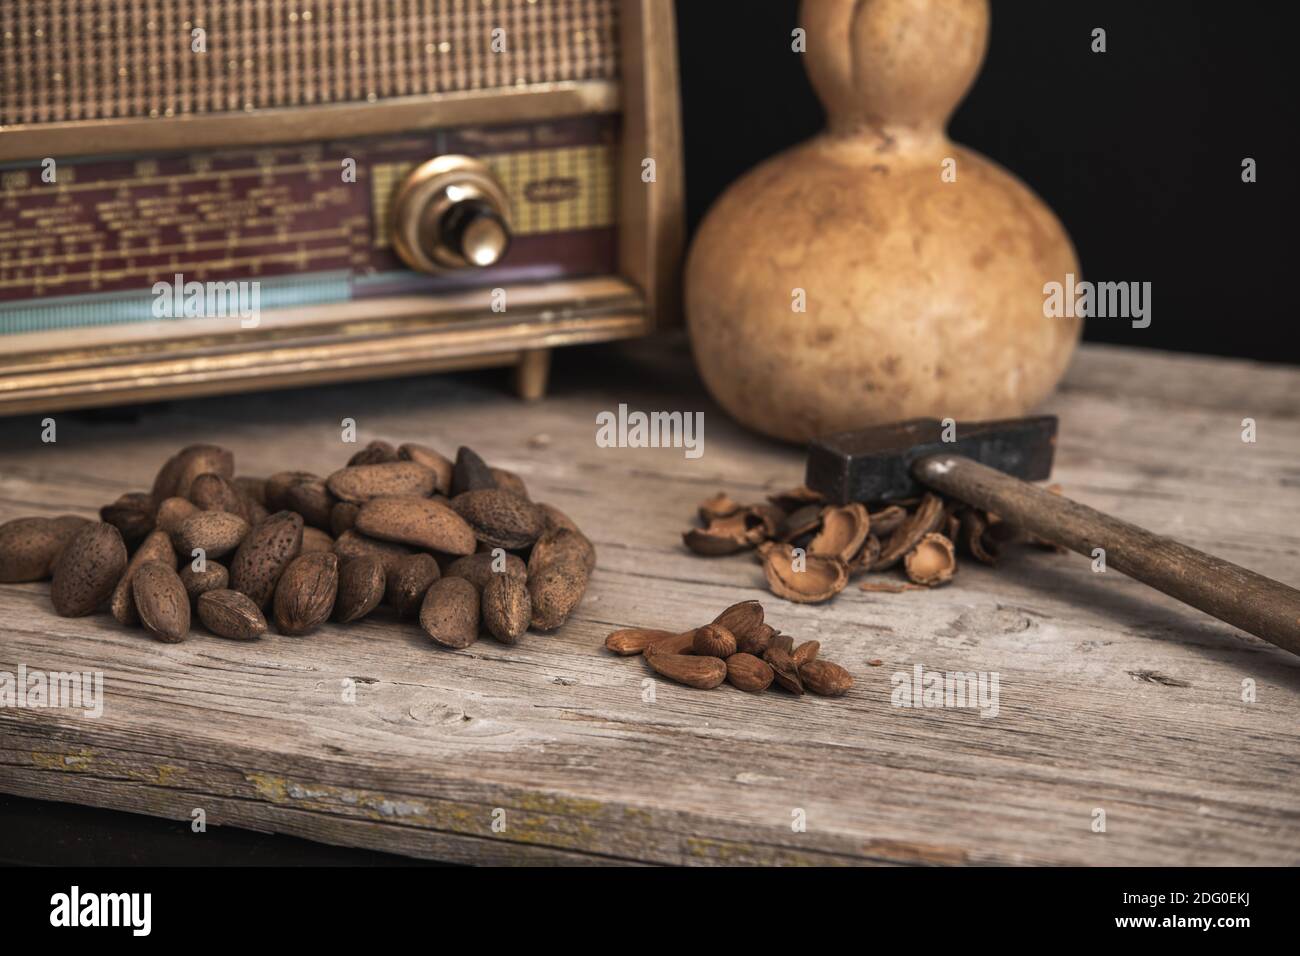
(1250, 601)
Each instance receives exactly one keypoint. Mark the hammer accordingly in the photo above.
(989, 464)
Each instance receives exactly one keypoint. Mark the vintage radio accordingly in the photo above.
(205, 196)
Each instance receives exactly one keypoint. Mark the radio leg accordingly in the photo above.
(531, 373)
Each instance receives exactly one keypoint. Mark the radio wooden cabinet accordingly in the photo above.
(201, 198)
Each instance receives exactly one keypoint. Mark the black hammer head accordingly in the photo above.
(875, 464)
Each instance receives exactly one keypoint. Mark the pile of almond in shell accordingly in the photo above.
(738, 647)
(810, 550)
(457, 545)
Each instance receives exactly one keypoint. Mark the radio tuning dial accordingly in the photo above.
(451, 214)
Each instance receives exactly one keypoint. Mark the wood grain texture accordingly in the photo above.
(1112, 697)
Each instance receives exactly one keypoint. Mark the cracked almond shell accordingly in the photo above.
(844, 528)
(932, 562)
(820, 580)
(928, 517)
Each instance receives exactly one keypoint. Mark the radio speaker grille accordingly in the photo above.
(67, 60)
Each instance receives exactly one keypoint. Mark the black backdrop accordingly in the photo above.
(1138, 150)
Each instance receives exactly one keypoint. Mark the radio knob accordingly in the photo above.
(451, 214)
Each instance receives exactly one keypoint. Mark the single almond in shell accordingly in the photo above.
(479, 568)
(173, 512)
(29, 546)
(354, 544)
(211, 492)
(161, 601)
(359, 483)
(132, 515)
(305, 593)
(217, 533)
(425, 523)
(312, 500)
(314, 539)
(450, 613)
(264, 554)
(230, 614)
(343, 517)
(276, 490)
(376, 453)
(749, 673)
(408, 581)
(362, 583)
(435, 461)
(562, 544)
(156, 547)
(179, 472)
(213, 577)
(555, 590)
(87, 569)
(507, 608)
(500, 518)
(470, 473)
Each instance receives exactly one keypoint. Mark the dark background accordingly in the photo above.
(1137, 150)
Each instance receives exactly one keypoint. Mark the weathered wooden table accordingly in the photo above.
(1111, 697)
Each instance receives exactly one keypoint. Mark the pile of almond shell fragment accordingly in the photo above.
(811, 550)
(457, 546)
